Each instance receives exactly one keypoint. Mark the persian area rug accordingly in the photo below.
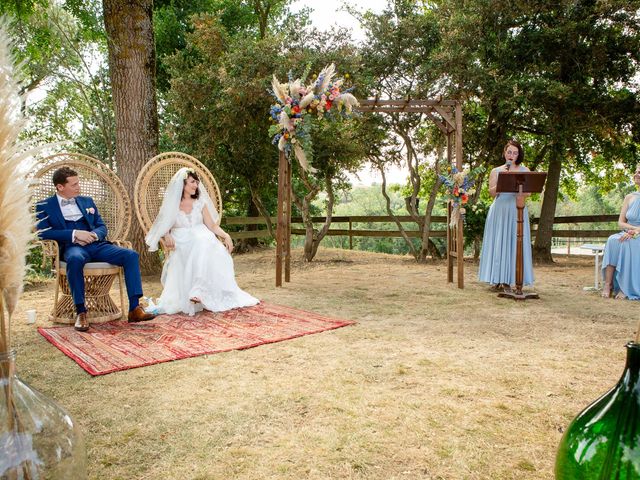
(119, 345)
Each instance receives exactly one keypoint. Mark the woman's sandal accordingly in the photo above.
(195, 300)
(606, 292)
(621, 296)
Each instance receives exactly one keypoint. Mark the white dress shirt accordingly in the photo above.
(70, 212)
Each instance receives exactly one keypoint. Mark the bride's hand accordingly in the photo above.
(169, 242)
(228, 243)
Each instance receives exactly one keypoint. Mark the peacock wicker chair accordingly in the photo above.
(154, 178)
(99, 182)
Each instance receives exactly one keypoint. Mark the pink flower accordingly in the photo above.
(91, 210)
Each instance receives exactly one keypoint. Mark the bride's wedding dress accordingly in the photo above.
(199, 267)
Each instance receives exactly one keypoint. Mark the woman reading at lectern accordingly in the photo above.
(498, 256)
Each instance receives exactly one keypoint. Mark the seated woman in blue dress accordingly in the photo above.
(621, 262)
(498, 257)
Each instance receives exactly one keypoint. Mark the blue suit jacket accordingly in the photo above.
(52, 226)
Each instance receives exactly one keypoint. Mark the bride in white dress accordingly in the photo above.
(198, 273)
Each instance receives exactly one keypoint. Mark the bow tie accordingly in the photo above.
(71, 201)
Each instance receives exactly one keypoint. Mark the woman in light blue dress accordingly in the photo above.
(498, 256)
(621, 262)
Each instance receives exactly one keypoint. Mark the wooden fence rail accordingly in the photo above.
(439, 232)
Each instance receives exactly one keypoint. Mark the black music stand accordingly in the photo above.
(520, 182)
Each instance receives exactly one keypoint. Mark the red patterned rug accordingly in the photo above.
(114, 346)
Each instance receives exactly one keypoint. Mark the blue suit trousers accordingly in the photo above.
(77, 256)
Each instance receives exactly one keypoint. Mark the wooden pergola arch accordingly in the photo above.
(447, 116)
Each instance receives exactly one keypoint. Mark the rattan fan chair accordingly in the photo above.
(153, 180)
(99, 182)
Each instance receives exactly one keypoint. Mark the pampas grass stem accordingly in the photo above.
(15, 232)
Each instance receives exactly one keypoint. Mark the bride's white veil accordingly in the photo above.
(171, 205)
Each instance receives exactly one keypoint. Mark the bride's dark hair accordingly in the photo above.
(516, 144)
(194, 175)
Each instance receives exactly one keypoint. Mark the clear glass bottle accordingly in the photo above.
(38, 439)
(603, 441)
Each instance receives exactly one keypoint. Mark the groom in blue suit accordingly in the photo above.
(74, 222)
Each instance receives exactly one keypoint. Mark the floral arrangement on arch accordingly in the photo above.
(299, 105)
(459, 186)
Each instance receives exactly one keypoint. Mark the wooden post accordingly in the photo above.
(287, 225)
(350, 235)
(518, 294)
(460, 238)
(449, 246)
(280, 227)
(449, 232)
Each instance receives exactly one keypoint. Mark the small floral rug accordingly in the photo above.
(119, 345)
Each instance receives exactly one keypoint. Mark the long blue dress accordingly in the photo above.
(498, 256)
(625, 256)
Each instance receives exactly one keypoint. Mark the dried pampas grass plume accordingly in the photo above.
(348, 101)
(15, 232)
(325, 77)
(302, 158)
(279, 90)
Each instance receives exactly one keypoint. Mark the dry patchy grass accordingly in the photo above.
(432, 383)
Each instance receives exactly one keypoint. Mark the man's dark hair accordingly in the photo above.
(60, 175)
(194, 175)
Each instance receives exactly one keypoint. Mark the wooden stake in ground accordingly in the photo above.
(283, 232)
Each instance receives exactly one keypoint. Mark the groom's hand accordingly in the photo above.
(83, 237)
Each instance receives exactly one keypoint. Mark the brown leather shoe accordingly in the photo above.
(82, 324)
(139, 315)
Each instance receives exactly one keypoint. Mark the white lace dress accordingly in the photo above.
(199, 267)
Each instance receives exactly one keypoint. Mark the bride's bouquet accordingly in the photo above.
(299, 105)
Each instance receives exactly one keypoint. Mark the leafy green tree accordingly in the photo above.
(173, 21)
(397, 56)
(218, 110)
(63, 48)
(555, 74)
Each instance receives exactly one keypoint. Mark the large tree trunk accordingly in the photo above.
(387, 198)
(313, 237)
(427, 243)
(542, 246)
(132, 67)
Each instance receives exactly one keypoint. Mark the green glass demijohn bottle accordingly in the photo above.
(603, 441)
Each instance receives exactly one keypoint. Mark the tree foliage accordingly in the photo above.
(398, 57)
(555, 74)
(560, 76)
